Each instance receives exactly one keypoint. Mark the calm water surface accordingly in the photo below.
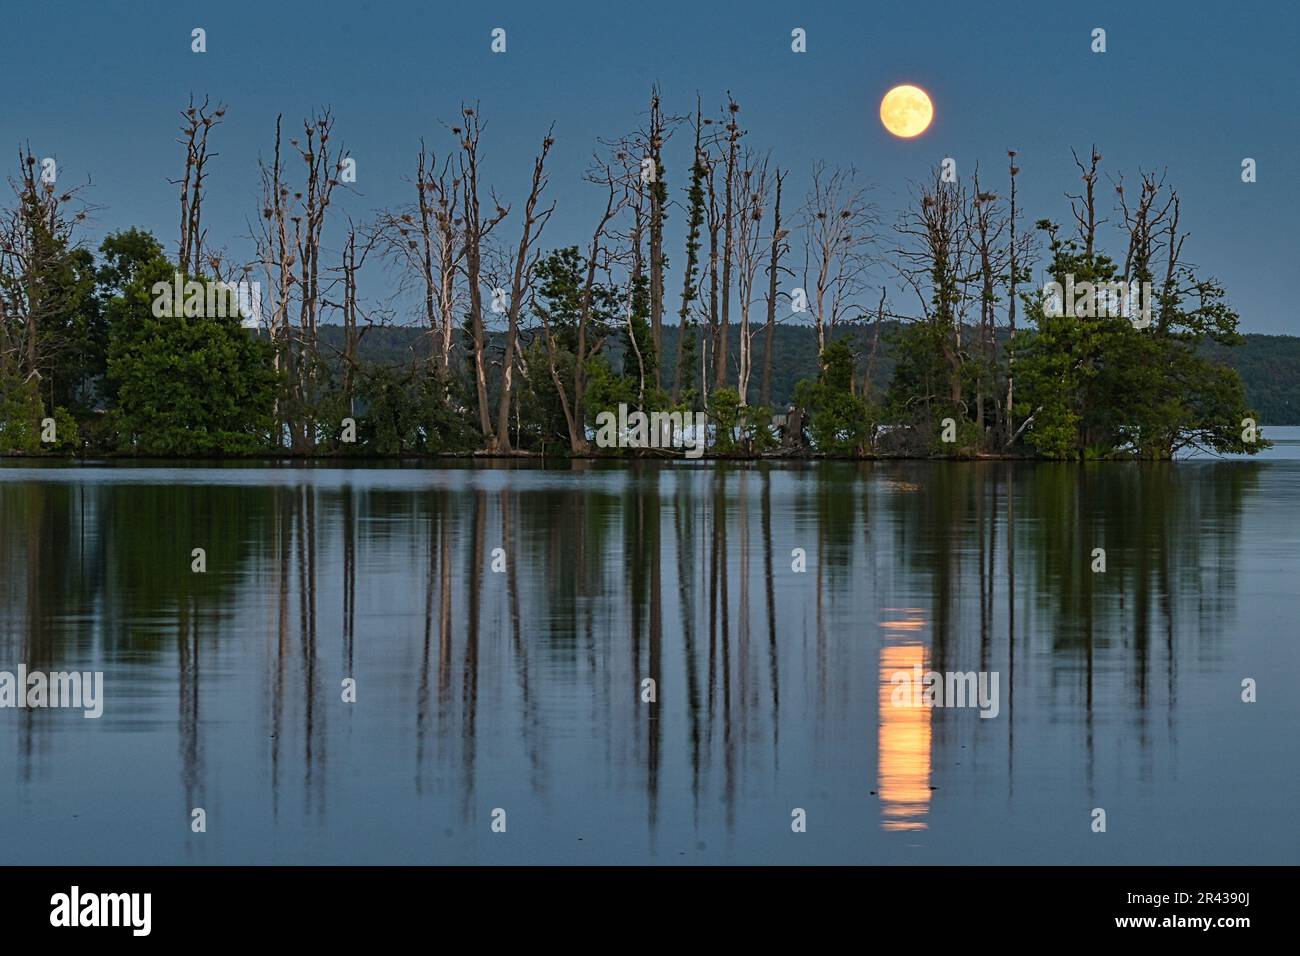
(520, 688)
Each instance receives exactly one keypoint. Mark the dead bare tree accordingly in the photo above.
(752, 186)
(197, 123)
(732, 134)
(717, 333)
(322, 176)
(1084, 207)
(289, 245)
(839, 230)
(635, 200)
(425, 239)
(638, 164)
(1153, 227)
(477, 228)
(984, 228)
(276, 256)
(1145, 220)
(525, 261)
(868, 373)
(778, 248)
(1014, 264)
(357, 321)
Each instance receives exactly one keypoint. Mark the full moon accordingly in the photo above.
(906, 111)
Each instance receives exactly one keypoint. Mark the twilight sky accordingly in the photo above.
(1193, 86)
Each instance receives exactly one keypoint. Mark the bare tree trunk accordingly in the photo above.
(1085, 213)
(277, 262)
(984, 230)
(752, 184)
(636, 189)
(1011, 304)
(476, 230)
(351, 339)
(534, 223)
(773, 268)
(838, 229)
(728, 221)
(1084, 209)
(198, 122)
(869, 372)
(322, 177)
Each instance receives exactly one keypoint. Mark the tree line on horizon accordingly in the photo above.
(522, 345)
(1269, 364)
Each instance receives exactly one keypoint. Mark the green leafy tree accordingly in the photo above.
(21, 411)
(839, 421)
(406, 410)
(186, 385)
(1103, 385)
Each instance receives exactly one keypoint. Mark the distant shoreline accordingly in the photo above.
(517, 457)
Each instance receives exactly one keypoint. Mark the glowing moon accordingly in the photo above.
(906, 111)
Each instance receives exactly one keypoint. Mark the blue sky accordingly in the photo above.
(1191, 86)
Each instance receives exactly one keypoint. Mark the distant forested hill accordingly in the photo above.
(1270, 369)
(1269, 364)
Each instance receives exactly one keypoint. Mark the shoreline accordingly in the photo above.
(524, 456)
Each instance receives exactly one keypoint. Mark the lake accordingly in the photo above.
(501, 624)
